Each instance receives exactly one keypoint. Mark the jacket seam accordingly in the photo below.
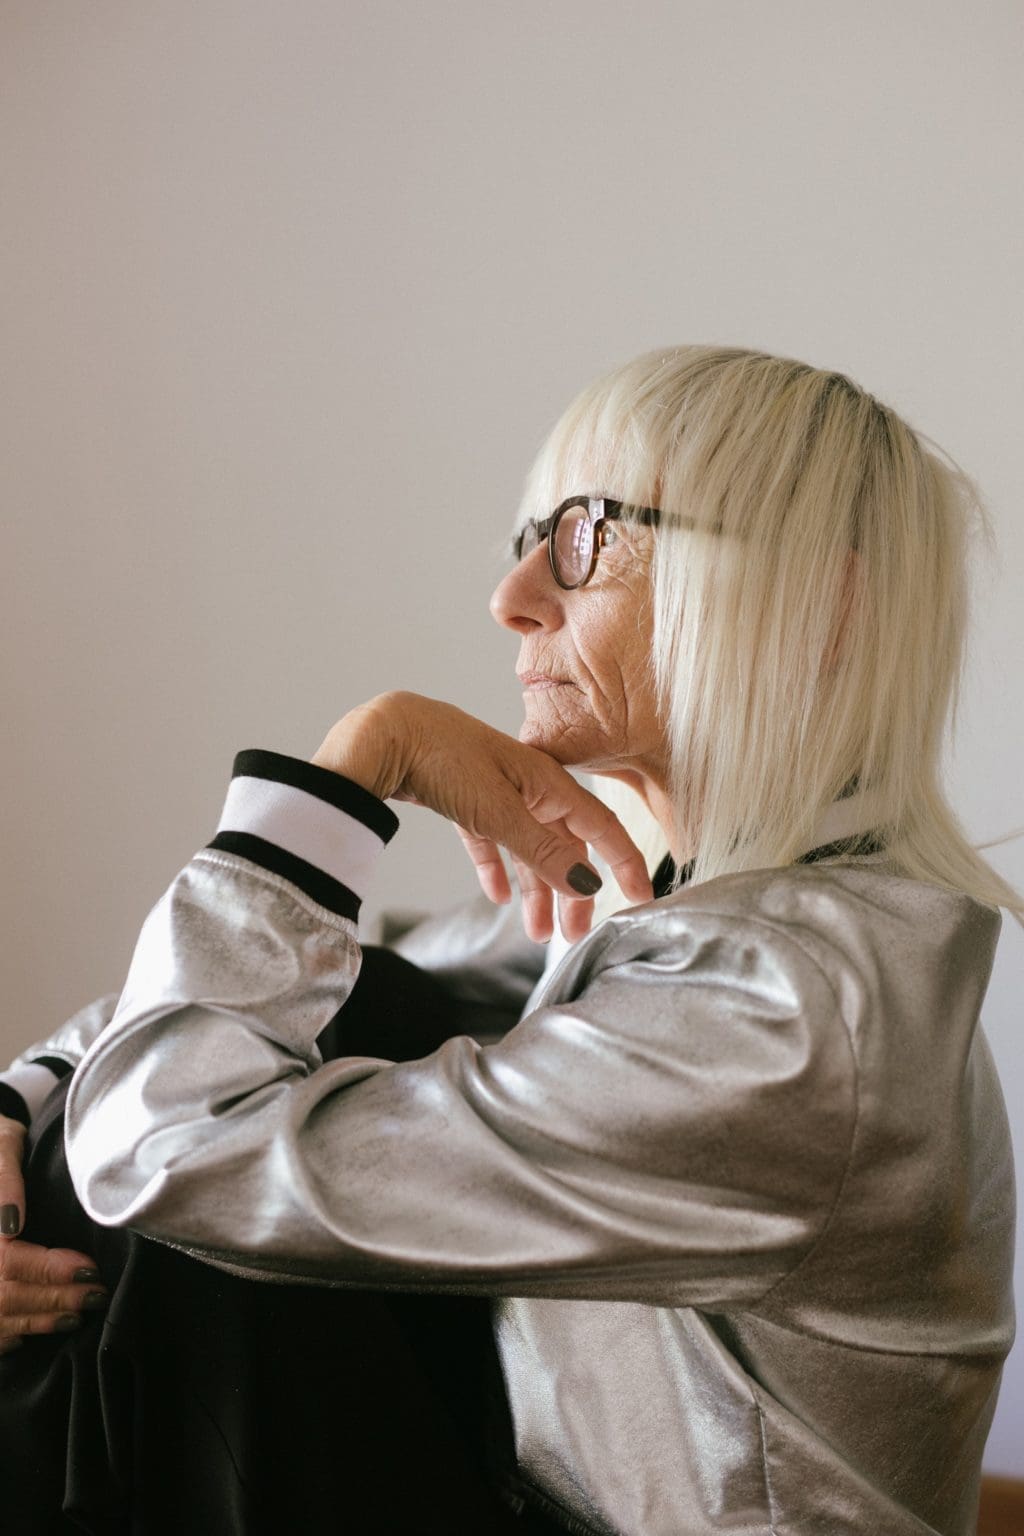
(854, 1126)
(536, 997)
(519, 1489)
(241, 865)
(889, 1350)
(772, 1530)
(781, 932)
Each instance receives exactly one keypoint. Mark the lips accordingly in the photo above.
(542, 680)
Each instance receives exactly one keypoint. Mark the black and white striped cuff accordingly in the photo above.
(25, 1087)
(311, 826)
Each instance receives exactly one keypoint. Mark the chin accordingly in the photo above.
(565, 746)
(533, 734)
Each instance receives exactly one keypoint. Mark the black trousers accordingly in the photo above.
(204, 1403)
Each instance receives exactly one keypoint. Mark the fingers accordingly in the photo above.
(36, 1308)
(537, 899)
(575, 917)
(539, 840)
(32, 1263)
(575, 914)
(537, 903)
(503, 794)
(544, 839)
(12, 1184)
(45, 1290)
(490, 867)
(593, 823)
(568, 859)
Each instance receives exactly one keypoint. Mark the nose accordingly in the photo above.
(528, 598)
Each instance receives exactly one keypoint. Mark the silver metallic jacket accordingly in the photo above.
(739, 1181)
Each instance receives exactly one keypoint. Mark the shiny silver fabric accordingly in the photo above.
(71, 1041)
(740, 1182)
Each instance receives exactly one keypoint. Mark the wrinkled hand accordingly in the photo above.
(39, 1291)
(500, 794)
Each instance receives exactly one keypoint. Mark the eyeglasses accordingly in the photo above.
(576, 532)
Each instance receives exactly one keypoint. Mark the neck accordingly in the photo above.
(651, 789)
(855, 812)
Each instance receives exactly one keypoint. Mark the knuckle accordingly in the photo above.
(50, 1268)
(550, 846)
(15, 1299)
(53, 1269)
(605, 822)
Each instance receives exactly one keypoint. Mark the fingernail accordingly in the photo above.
(83, 1276)
(10, 1221)
(66, 1323)
(94, 1301)
(584, 880)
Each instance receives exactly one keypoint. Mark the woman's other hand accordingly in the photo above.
(500, 794)
(42, 1290)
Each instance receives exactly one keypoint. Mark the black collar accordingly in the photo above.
(863, 842)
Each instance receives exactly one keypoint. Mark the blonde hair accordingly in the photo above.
(810, 590)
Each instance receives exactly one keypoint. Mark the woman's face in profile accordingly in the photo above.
(584, 658)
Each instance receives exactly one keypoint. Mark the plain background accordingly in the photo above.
(291, 290)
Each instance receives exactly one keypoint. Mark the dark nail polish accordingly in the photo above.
(584, 880)
(66, 1323)
(94, 1301)
(10, 1221)
(83, 1276)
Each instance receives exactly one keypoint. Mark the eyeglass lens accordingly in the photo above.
(573, 546)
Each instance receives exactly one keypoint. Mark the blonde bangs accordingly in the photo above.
(610, 439)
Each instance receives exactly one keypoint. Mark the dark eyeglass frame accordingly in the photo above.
(601, 510)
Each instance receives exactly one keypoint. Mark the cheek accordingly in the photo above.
(615, 654)
(620, 661)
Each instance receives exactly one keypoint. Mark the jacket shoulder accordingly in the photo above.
(853, 919)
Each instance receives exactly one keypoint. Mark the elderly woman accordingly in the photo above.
(738, 1181)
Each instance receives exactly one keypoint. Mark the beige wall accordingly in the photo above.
(290, 292)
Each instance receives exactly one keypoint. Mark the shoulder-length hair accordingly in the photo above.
(810, 586)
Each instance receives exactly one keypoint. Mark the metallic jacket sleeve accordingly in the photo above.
(479, 951)
(37, 1069)
(670, 1125)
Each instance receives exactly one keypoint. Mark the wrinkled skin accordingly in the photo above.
(596, 642)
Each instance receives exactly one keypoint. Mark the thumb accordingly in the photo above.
(12, 1183)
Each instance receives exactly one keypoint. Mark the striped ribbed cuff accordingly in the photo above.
(25, 1088)
(311, 826)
